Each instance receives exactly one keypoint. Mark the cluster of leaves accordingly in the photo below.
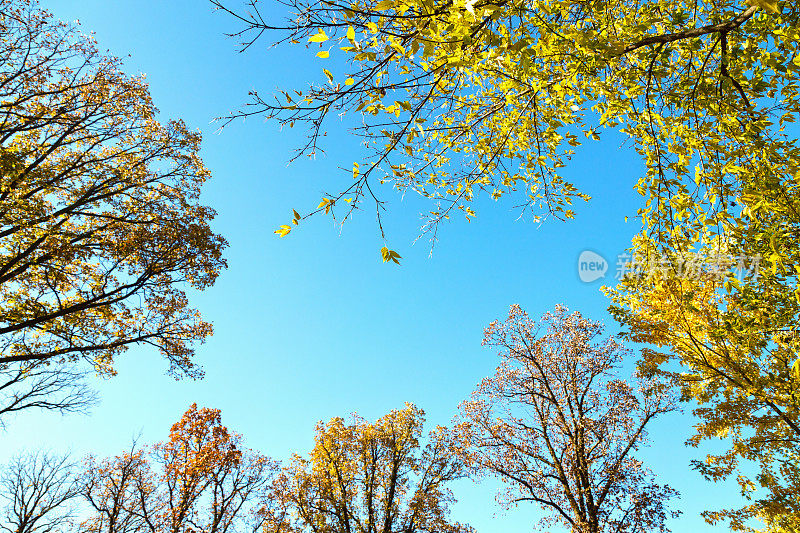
(368, 477)
(462, 98)
(100, 222)
(736, 343)
(733, 332)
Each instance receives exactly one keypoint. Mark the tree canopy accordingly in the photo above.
(363, 477)
(559, 428)
(737, 344)
(200, 479)
(461, 99)
(359, 478)
(101, 229)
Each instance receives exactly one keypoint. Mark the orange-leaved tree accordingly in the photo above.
(200, 479)
(558, 427)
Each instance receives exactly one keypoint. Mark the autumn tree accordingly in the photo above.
(101, 229)
(734, 333)
(363, 477)
(120, 494)
(464, 99)
(200, 479)
(209, 482)
(559, 428)
(38, 493)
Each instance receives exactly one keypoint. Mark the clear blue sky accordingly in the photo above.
(313, 325)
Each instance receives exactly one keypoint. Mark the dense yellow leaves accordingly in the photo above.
(368, 478)
(496, 96)
(100, 224)
(737, 344)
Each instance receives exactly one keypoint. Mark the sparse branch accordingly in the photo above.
(37, 492)
(52, 388)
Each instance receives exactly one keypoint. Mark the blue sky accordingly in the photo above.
(314, 325)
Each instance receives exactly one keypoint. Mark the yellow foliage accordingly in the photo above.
(100, 220)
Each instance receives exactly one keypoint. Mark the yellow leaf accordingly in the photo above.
(390, 255)
(351, 33)
(769, 5)
(318, 38)
(323, 54)
(349, 81)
